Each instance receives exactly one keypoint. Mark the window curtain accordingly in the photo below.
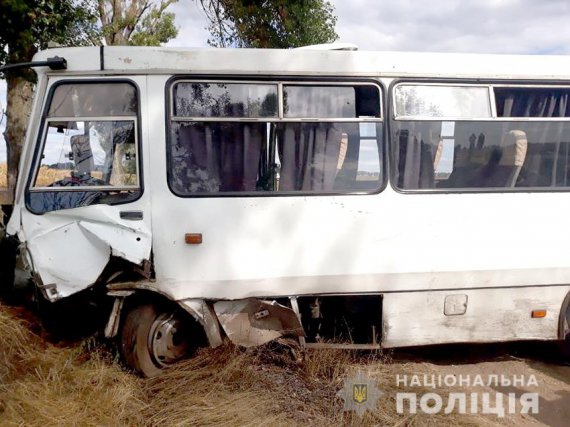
(216, 157)
(532, 103)
(309, 154)
(417, 144)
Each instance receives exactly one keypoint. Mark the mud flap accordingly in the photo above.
(252, 322)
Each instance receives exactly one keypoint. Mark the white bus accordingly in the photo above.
(346, 198)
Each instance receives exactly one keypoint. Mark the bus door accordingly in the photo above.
(84, 200)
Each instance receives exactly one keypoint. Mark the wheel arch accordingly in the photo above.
(130, 295)
(564, 319)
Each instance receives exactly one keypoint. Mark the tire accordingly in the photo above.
(153, 338)
(564, 345)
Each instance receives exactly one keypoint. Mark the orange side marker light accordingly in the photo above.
(193, 238)
(537, 314)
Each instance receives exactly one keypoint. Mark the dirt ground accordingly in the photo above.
(543, 360)
(48, 381)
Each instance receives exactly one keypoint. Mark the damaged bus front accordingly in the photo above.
(245, 194)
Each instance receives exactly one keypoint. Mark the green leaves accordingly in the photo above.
(29, 25)
(136, 22)
(270, 23)
(156, 28)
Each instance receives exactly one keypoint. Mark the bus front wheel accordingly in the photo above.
(154, 337)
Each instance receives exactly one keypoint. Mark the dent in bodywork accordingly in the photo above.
(68, 250)
(252, 322)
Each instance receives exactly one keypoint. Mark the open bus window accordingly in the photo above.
(254, 152)
(86, 161)
(532, 101)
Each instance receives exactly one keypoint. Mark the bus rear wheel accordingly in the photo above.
(154, 337)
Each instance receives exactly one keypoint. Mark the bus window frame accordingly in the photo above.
(280, 81)
(40, 140)
(491, 83)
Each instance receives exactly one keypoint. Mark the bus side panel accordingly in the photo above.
(490, 315)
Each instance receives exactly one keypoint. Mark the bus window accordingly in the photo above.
(89, 152)
(457, 152)
(224, 100)
(92, 153)
(442, 101)
(243, 138)
(532, 101)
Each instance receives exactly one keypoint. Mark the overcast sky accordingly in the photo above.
(488, 26)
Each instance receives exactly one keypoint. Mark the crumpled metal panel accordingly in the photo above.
(252, 322)
(124, 243)
(70, 249)
(69, 258)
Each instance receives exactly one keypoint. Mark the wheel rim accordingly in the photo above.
(168, 342)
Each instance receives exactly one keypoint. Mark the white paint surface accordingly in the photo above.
(122, 59)
(70, 248)
(492, 315)
(272, 246)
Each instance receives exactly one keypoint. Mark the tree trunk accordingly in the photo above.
(19, 106)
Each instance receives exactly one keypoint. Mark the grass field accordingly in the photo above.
(47, 176)
(43, 384)
(82, 383)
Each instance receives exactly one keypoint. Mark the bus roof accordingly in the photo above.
(161, 60)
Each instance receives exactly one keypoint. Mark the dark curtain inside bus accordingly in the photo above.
(532, 102)
(246, 157)
(213, 157)
(547, 103)
(311, 155)
(417, 148)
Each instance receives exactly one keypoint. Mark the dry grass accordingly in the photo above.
(3, 175)
(46, 175)
(42, 384)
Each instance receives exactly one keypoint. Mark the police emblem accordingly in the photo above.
(360, 394)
